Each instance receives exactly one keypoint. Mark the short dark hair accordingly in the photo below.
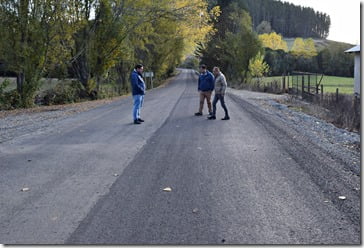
(138, 66)
(203, 66)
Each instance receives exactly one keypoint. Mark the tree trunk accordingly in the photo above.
(122, 70)
(119, 79)
(20, 82)
(81, 70)
(98, 81)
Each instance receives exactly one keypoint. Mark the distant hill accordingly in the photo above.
(284, 18)
(320, 44)
(288, 19)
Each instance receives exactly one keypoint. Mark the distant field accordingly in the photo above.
(330, 83)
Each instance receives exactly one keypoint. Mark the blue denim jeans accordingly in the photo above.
(222, 101)
(138, 104)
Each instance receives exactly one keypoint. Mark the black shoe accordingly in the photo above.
(198, 114)
(226, 118)
(140, 120)
(137, 122)
(212, 117)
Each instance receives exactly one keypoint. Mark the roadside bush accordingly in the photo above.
(108, 91)
(63, 93)
(345, 110)
(28, 92)
(259, 86)
(10, 99)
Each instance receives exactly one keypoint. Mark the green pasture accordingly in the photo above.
(330, 83)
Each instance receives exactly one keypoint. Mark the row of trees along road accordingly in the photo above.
(92, 39)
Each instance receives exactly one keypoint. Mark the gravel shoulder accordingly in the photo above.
(15, 123)
(340, 143)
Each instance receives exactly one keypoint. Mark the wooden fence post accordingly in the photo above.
(356, 105)
(303, 86)
(309, 84)
(322, 91)
(284, 83)
(337, 94)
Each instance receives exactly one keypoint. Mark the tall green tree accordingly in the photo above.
(28, 29)
(264, 28)
(233, 44)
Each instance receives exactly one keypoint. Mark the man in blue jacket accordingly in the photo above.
(206, 85)
(138, 87)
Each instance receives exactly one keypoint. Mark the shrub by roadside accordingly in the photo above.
(344, 113)
(8, 99)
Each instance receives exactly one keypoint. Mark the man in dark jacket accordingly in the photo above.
(138, 91)
(206, 85)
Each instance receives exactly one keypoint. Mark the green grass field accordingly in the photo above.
(330, 83)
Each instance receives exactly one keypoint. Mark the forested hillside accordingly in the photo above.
(284, 18)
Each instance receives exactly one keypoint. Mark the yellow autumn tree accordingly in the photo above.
(273, 41)
(257, 67)
(310, 49)
(305, 48)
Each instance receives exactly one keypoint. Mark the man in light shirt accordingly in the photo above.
(220, 89)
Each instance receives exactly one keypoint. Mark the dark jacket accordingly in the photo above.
(206, 82)
(137, 83)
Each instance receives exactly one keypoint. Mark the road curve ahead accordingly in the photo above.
(97, 179)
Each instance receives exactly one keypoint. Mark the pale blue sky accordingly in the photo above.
(344, 14)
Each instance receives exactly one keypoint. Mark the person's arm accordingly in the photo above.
(223, 85)
(217, 83)
(199, 84)
(134, 80)
(212, 82)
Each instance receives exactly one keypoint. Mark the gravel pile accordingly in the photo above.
(339, 142)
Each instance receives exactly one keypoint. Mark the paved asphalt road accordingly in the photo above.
(97, 179)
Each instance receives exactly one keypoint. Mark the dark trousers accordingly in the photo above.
(218, 97)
